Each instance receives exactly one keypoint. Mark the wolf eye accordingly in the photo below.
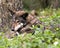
(17, 21)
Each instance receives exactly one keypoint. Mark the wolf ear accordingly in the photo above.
(24, 16)
(12, 12)
(33, 12)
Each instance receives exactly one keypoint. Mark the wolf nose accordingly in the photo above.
(12, 29)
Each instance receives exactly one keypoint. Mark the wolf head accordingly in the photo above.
(18, 19)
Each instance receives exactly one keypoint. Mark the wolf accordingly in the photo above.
(23, 21)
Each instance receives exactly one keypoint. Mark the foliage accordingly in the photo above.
(47, 36)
